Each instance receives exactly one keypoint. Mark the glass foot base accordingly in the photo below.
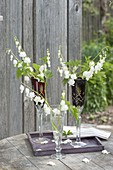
(78, 144)
(59, 156)
(41, 140)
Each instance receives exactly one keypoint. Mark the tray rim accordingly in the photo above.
(95, 148)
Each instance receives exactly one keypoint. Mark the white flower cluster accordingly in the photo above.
(94, 68)
(22, 62)
(41, 101)
(24, 59)
(57, 111)
(71, 74)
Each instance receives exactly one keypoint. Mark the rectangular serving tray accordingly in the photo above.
(93, 144)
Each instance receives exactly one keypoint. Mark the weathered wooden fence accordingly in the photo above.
(38, 24)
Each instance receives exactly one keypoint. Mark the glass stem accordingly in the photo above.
(78, 129)
(58, 146)
(39, 122)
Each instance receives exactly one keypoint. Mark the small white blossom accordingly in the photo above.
(37, 99)
(61, 60)
(49, 63)
(59, 53)
(60, 71)
(19, 48)
(21, 88)
(17, 43)
(66, 74)
(47, 109)
(87, 74)
(31, 69)
(62, 102)
(27, 60)
(19, 65)
(91, 63)
(64, 67)
(63, 95)
(102, 60)
(27, 79)
(56, 111)
(8, 51)
(64, 108)
(74, 68)
(14, 63)
(22, 54)
(31, 95)
(42, 101)
(41, 75)
(73, 76)
(41, 69)
(92, 69)
(27, 92)
(11, 57)
(71, 82)
(48, 53)
(98, 67)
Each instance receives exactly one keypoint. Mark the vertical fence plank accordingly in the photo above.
(10, 106)
(28, 115)
(51, 32)
(74, 36)
(3, 98)
(15, 108)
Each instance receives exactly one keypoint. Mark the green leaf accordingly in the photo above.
(65, 81)
(67, 133)
(48, 74)
(36, 67)
(18, 73)
(73, 63)
(44, 59)
(73, 110)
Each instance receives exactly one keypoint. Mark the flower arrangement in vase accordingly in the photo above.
(73, 72)
(38, 75)
(76, 73)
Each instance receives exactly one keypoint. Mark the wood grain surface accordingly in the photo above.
(16, 154)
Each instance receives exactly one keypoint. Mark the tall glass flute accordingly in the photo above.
(40, 88)
(57, 121)
(78, 96)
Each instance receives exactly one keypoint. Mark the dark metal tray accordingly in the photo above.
(93, 145)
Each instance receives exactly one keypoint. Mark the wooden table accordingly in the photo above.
(16, 154)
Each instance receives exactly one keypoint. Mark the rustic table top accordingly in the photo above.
(16, 154)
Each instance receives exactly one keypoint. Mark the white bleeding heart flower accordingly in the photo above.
(22, 54)
(15, 63)
(71, 82)
(27, 79)
(11, 57)
(27, 60)
(21, 88)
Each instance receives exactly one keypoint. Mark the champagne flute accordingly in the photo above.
(57, 120)
(78, 97)
(40, 88)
